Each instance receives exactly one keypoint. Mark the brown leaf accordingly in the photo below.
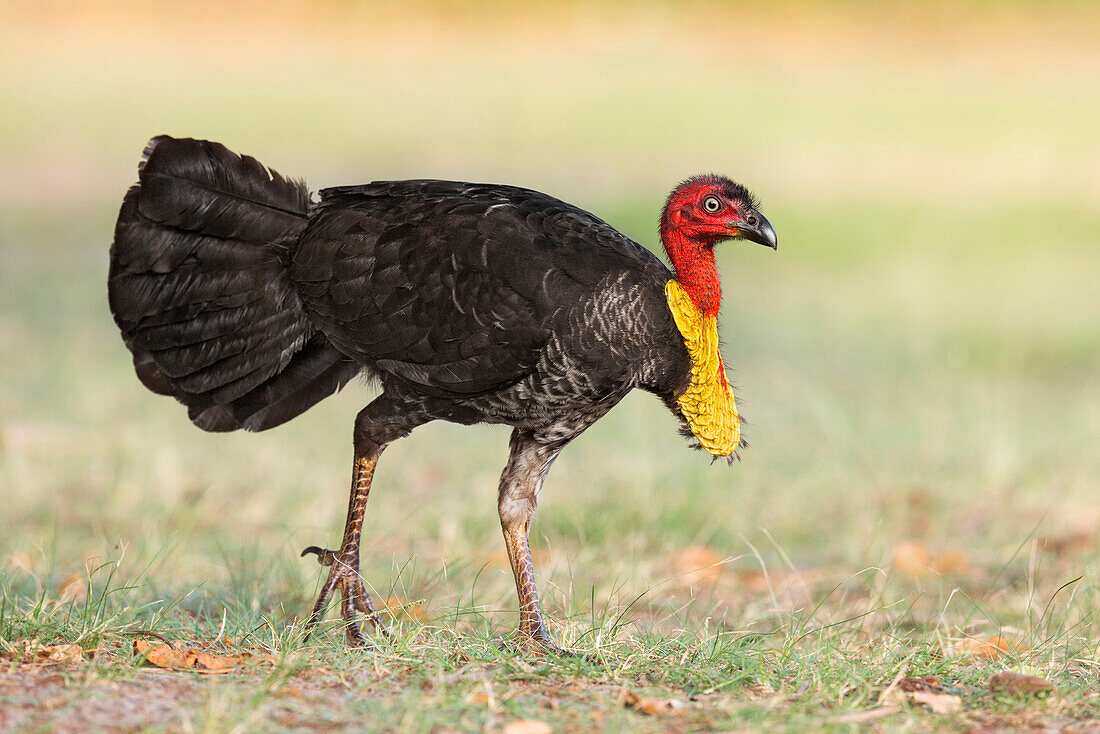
(926, 691)
(754, 581)
(697, 565)
(161, 656)
(73, 588)
(1018, 684)
(909, 685)
(651, 706)
(915, 559)
(196, 661)
(940, 703)
(951, 562)
(251, 657)
(1073, 543)
(912, 558)
(204, 662)
(527, 726)
(32, 652)
(988, 648)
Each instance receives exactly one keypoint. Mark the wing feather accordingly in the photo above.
(452, 288)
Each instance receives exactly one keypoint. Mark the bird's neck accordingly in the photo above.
(695, 269)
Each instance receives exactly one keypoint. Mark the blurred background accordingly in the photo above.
(919, 362)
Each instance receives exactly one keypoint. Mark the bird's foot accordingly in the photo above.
(537, 644)
(354, 599)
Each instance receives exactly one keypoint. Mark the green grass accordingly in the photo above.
(917, 362)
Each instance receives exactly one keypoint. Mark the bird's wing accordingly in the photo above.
(452, 287)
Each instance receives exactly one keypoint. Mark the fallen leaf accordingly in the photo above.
(651, 706)
(1074, 543)
(251, 657)
(1018, 684)
(909, 685)
(527, 726)
(397, 608)
(940, 703)
(73, 588)
(697, 565)
(32, 652)
(161, 656)
(204, 661)
(988, 648)
(755, 581)
(951, 562)
(926, 691)
(197, 661)
(915, 559)
(912, 558)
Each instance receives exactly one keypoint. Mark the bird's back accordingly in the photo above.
(457, 289)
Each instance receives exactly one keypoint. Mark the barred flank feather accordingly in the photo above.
(200, 290)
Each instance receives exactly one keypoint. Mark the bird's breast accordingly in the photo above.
(707, 404)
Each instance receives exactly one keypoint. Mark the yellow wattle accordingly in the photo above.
(708, 403)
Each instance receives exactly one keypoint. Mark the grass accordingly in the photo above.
(917, 362)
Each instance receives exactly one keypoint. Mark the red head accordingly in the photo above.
(700, 213)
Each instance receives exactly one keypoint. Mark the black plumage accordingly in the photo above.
(455, 289)
(224, 276)
(249, 303)
(199, 288)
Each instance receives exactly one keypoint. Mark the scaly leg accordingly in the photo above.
(344, 562)
(528, 462)
(383, 421)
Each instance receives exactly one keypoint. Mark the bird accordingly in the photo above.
(248, 300)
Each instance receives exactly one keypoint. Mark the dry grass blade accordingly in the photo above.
(400, 609)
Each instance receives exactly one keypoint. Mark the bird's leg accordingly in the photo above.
(386, 419)
(344, 562)
(528, 462)
(531, 624)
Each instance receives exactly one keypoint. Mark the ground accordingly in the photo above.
(917, 362)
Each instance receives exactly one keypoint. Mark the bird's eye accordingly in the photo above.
(711, 204)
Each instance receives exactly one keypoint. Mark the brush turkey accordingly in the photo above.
(248, 301)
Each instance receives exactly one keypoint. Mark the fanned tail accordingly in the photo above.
(199, 288)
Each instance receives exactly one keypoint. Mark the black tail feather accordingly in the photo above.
(198, 286)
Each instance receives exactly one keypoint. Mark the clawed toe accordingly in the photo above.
(539, 646)
(344, 577)
(325, 557)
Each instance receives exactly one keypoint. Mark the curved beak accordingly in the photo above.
(761, 232)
